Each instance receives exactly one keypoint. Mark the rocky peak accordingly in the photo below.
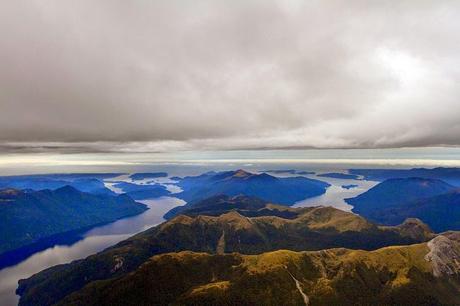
(415, 228)
(444, 256)
(234, 219)
(241, 173)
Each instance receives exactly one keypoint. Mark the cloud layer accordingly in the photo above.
(170, 75)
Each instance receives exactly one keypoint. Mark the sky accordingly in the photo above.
(168, 76)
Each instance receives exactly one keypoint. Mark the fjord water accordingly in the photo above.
(335, 195)
(93, 241)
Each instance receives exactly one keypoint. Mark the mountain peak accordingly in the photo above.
(235, 219)
(266, 176)
(415, 228)
(67, 189)
(233, 214)
(241, 173)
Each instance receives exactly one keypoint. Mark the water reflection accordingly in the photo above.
(93, 241)
(165, 181)
(336, 194)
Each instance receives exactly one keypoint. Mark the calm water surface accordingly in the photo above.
(335, 195)
(93, 241)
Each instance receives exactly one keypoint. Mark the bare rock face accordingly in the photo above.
(444, 256)
(452, 235)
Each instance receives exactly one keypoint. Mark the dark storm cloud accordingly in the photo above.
(168, 75)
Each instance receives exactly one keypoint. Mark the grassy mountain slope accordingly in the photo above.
(395, 275)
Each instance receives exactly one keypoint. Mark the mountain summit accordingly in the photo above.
(286, 190)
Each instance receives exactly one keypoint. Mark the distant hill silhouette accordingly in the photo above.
(432, 201)
(284, 191)
(349, 186)
(344, 176)
(289, 171)
(441, 212)
(144, 191)
(86, 182)
(448, 175)
(147, 175)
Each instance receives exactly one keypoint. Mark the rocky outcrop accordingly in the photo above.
(444, 256)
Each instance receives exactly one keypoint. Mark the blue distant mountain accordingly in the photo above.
(91, 185)
(289, 171)
(28, 216)
(285, 191)
(304, 172)
(350, 186)
(143, 176)
(441, 212)
(143, 191)
(86, 182)
(433, 201)
(344, 176)
(448, 175)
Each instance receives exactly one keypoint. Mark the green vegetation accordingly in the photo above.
(388, 276)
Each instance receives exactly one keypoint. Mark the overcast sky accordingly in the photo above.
(170, 75)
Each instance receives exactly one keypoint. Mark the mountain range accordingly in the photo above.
(270, 227)
(448, 175)
(431, 200)
(227, 246)
(419, 274)
(86, 182)
(285, 191)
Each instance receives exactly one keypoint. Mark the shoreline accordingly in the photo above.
(67, 238)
